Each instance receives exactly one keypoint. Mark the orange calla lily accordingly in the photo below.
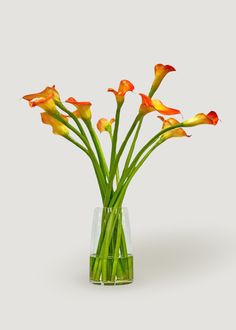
(44, 99)
(160, 73)
(105, 125)
(211, 118)
(149, 105)
(124, 87)
(57, 127)
(177, 132)
(83, 108)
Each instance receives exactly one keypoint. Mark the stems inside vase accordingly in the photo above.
(112, 263)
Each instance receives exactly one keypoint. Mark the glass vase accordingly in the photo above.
(111, 259)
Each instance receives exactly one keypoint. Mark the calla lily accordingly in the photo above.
(57, 127)
(211, 118)
(83, 108)
(105, 125)
(177, 132)
(44, 99)
(124, 87)
(160, 73)
(149, 105)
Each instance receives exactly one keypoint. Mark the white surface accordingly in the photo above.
(182, 206)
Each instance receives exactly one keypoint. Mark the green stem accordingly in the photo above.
(97, 172)
(136, 159)
(115, 134)
(117, 247)
(81, 135)
(117, 171)
(131, 151)
(74, 130)
(151, 141)
(133, 143)
(135, 169)
(114, 166)
(89, 152)
(69, 138)
(98, 148)
(76, 120)
(108, 235)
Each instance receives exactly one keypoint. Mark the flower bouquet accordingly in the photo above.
(111, 261)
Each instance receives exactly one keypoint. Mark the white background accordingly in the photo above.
(181, 203)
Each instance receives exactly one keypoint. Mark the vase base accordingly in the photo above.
(123, 270)
(111, 283)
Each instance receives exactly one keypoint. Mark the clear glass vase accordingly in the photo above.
(111, 259)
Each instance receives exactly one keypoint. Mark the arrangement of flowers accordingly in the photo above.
(76, 126)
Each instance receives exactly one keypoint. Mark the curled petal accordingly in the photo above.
(160, 73)
(124, 87)
(146, 105)
(212, 115)
(83, 108)
(44, 99)
(161, 69)
(112, 91)
(211, 119)
(146, 100)
(105, 125)
(161, 118)
(77, 104)
(48, 91)
(149, 105)
(177, 132)
(164, 110)
(57, 127)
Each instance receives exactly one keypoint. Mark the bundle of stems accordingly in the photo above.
(111, 261)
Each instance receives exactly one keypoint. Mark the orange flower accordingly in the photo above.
(45, 99)
(211, 118)
(160, 73)
(83, 108)
(105, 125)
(177, 132)
(124, 87)
(149, 105)
(57, 127)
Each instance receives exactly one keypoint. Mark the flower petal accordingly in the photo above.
(112, 90)
(57, 127)
(164, 110)
(146, 105)
(48, 91)
(212, 115)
